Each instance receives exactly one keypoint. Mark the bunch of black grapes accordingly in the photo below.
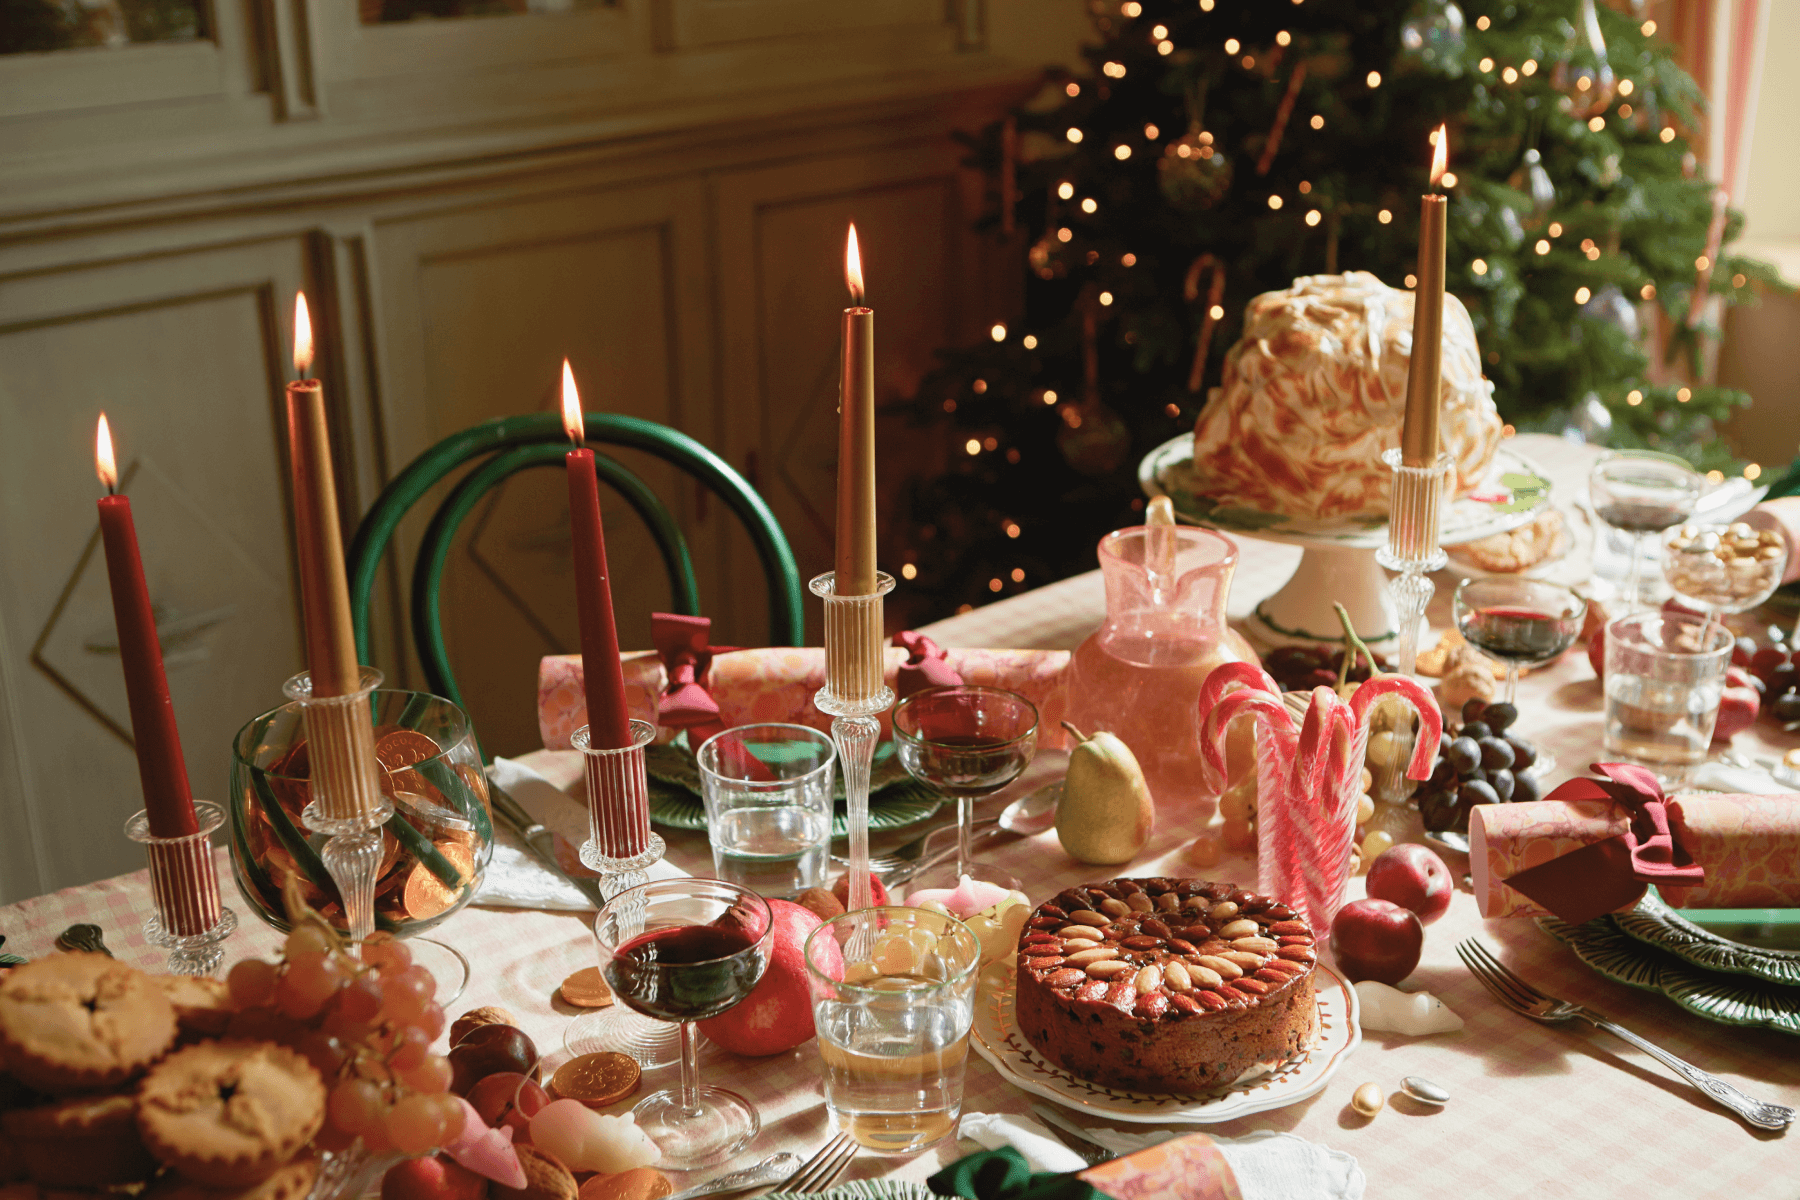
(1478, 764)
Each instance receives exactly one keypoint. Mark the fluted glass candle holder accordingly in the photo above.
(855, 657)
(190, 922)
(347, 802)
(1414, 514)
(620, 848)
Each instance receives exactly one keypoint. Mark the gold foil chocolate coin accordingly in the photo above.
(585, 989)
(426, 895)
(597, 1080)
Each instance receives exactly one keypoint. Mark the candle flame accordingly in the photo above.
(1440, 157)
(303, 339)
(104, 465)
(573, 425)
(853, 267)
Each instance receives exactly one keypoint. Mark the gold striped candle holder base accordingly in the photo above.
(347, 800)
(189, 920)
(854, 692)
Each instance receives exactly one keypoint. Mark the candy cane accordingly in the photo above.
(1431, 722)
(1269, 710)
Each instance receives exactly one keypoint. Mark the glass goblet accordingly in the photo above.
(1641, 492)
(685, 950)
(967, 742)
(1521, 622)
(1718, 569)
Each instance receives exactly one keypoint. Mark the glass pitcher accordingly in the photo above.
(1139, 675)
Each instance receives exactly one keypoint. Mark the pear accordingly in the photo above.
(1105, 814)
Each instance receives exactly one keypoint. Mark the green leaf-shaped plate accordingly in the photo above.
(1727, 999)
(896, 800)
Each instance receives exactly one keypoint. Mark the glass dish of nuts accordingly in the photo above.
(1723, 568)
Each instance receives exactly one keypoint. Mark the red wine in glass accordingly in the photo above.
(1516, 634)
(961, 764)
(685, 973)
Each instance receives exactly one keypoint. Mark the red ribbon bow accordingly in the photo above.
(1609, 875)
(925, 667)
(685, 702)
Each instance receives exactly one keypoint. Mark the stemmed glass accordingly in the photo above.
(1719, 569)
(968, 742)
(1521, 622)
(1641, 492)
(685, 950)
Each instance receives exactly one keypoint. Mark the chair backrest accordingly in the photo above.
(514, 444)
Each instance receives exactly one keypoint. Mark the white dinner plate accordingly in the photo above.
(997, 1039)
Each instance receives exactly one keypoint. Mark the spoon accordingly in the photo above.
(1027, 816)
(772, 1169)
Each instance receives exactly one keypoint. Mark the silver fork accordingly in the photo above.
(1522, 998)
(820, 1170)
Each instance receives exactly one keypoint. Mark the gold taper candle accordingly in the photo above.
(1419, 436)
(855, 561)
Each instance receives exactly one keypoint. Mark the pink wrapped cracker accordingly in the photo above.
(1749, 845)
(1505, 839)
(1185, 1168)
(777, 684)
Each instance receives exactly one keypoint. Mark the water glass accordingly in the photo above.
(768, 800)
(893, 1000)
(1664, 675)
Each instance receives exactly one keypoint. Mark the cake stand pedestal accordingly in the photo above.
(1338, 563)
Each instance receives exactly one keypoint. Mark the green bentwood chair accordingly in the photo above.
(513, 444)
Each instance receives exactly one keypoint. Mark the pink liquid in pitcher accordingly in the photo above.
(1139, 676)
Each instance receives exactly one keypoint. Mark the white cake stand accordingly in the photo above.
(1339, 560)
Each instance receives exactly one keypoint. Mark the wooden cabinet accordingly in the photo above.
(657, 190)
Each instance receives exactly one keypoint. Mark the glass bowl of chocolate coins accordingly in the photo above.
(435, 848)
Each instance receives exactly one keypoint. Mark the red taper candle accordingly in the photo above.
(609, 720)
(161, 768)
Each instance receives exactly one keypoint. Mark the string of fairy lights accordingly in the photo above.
(1598, 96)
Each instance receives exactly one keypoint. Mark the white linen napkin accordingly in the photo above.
(1269, 1165)
(515, 877)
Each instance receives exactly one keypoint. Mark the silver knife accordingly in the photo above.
(1071, 1134)
(539, 840)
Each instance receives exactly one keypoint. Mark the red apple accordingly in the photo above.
(508, 1098)
(878, 895)
(432, 1177)
(1739, 704)
(1377, 939)
(1412, 877)
(777, 1015)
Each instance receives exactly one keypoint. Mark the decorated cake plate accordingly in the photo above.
(997, 1039)
(1339, 561)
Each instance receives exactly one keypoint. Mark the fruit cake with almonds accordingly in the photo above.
(1166, 985)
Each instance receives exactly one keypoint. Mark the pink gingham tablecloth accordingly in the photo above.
(1536, 1112)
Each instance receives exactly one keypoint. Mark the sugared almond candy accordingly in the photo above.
(1368, 1099)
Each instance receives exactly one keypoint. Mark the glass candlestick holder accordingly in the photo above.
(1415, 510)
(620, 848)
(190, 922)
(855, 663)
(347, 802)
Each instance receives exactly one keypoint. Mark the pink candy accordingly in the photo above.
(1307, 779)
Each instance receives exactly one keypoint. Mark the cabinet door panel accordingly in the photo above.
(481, 307)
(183, 355)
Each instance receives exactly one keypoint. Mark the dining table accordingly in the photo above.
(1538, 1111)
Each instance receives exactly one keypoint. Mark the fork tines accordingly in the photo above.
(1507, 987)
(821, 1170)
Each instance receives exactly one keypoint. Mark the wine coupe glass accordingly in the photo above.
(1719, 569)
(968, 742)
(1521, 622)
(685, 950)
(1641, 492)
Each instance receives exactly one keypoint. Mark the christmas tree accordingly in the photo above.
(1220, 148)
